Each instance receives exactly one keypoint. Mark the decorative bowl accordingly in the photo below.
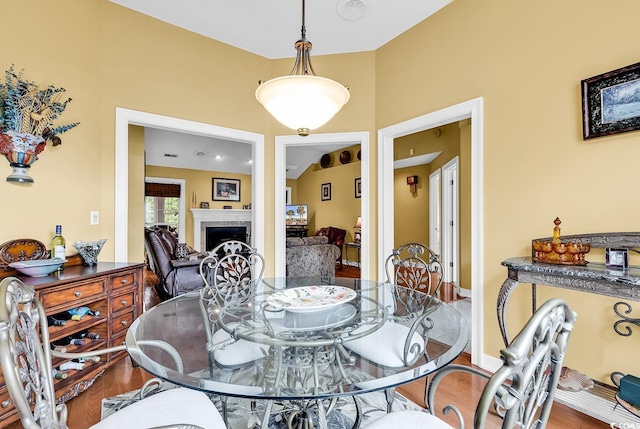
(89, 250)
(38, 267)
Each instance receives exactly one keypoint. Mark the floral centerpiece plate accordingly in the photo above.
(310, 298)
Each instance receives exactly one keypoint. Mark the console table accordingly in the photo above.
(346, 252)
(297, 232)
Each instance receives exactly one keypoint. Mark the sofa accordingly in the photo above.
(336, 237)
(311, 257)
(176, 276)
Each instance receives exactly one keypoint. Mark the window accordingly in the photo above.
(162, 204)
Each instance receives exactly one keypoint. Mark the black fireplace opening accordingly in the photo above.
(219, 234)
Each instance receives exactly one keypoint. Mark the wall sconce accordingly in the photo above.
(412, 181)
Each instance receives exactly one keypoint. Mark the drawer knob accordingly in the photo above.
(7, 403)
(123, 323)
(123, 302)
(123, 281)
(77, 293)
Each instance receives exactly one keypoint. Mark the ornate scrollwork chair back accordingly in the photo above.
(412, 268)
(26, 365)
(521, 391)
(228, 272)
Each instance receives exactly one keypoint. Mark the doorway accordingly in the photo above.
(126, 117)
(281, 143)
(472, 109)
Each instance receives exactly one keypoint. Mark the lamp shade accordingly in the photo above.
(358, 222)
(302, 102)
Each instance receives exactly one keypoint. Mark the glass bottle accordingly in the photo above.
(58, 246)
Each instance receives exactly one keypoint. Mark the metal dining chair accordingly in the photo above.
(25, 358)
(230, 273)
(414, 275)
(521, 391)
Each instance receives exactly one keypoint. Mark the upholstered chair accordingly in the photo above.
(520, 394)
(26, 363)
(410, 295)
(336, 237)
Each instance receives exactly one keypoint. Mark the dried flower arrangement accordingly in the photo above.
(25, 108)
(27, 113)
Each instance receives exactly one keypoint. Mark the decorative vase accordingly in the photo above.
(21, 150)
(89, 250)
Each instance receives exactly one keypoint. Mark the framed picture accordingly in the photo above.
(287, 195)
(611, 102)
(358, 187)
(225, 189)
(325, 192)
(204, 205)
(357, 236)
(617, 259)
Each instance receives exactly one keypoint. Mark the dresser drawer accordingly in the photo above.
(123, 302)
(123, 280)
(6, 403)
(121, 322)
(53, 298)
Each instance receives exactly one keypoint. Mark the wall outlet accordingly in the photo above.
(411, 152)
(95, 218)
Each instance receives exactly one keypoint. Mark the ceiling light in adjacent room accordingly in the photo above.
(302, 101)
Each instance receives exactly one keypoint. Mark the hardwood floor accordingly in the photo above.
(84, 410)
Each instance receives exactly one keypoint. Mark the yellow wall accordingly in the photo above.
(525, 59)
(411, 209)
(199, 183)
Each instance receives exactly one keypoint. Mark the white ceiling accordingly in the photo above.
(270, 28)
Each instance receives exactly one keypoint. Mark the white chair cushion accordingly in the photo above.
(173, 406)
(238, 353)
(386, 345)
(408, 419)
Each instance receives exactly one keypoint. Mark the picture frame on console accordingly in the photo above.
(611, 102)
(225, 189)
(358, 187)
(325, 192)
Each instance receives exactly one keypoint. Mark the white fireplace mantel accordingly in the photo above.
(217, 217)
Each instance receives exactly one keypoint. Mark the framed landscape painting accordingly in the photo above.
(611, 102)
(225, 189)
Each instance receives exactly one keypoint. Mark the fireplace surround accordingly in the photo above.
(227, 221)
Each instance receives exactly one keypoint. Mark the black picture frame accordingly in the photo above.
(611, 102)
(204, 205)
(325, 192)
(225, 189)
(358, 187)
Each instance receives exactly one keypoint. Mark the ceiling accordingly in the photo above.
(270, 28)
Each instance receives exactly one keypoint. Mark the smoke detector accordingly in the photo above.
(352, 10)
(200, 153)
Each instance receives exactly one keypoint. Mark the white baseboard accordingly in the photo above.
(464, 292)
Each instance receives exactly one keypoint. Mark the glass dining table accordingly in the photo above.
(294, 337)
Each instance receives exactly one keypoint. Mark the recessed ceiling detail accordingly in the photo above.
(199, 153)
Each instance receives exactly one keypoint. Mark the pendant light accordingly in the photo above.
(302, 101)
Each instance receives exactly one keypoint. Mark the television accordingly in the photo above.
(296, 215)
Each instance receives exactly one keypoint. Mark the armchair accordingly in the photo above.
(336, 236)
(176, 276)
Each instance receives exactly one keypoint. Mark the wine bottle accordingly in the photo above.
(52, 321)
(58, 246)
(67, 315)
(71, 365)
(86, 334)
(60, 349)
(82, 311)
(66, 341)
(93, 359)
(59, 374)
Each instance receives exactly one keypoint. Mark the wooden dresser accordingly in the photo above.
(114, 289)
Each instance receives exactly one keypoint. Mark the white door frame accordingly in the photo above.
(181, 203)
(435, 211)
(450, 222)
(469, 109)
(126, 117)
(281, 143)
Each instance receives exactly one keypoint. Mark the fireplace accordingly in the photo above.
(215, 235)
(205, 219)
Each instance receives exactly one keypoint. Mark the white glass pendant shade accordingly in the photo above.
(302, 102)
